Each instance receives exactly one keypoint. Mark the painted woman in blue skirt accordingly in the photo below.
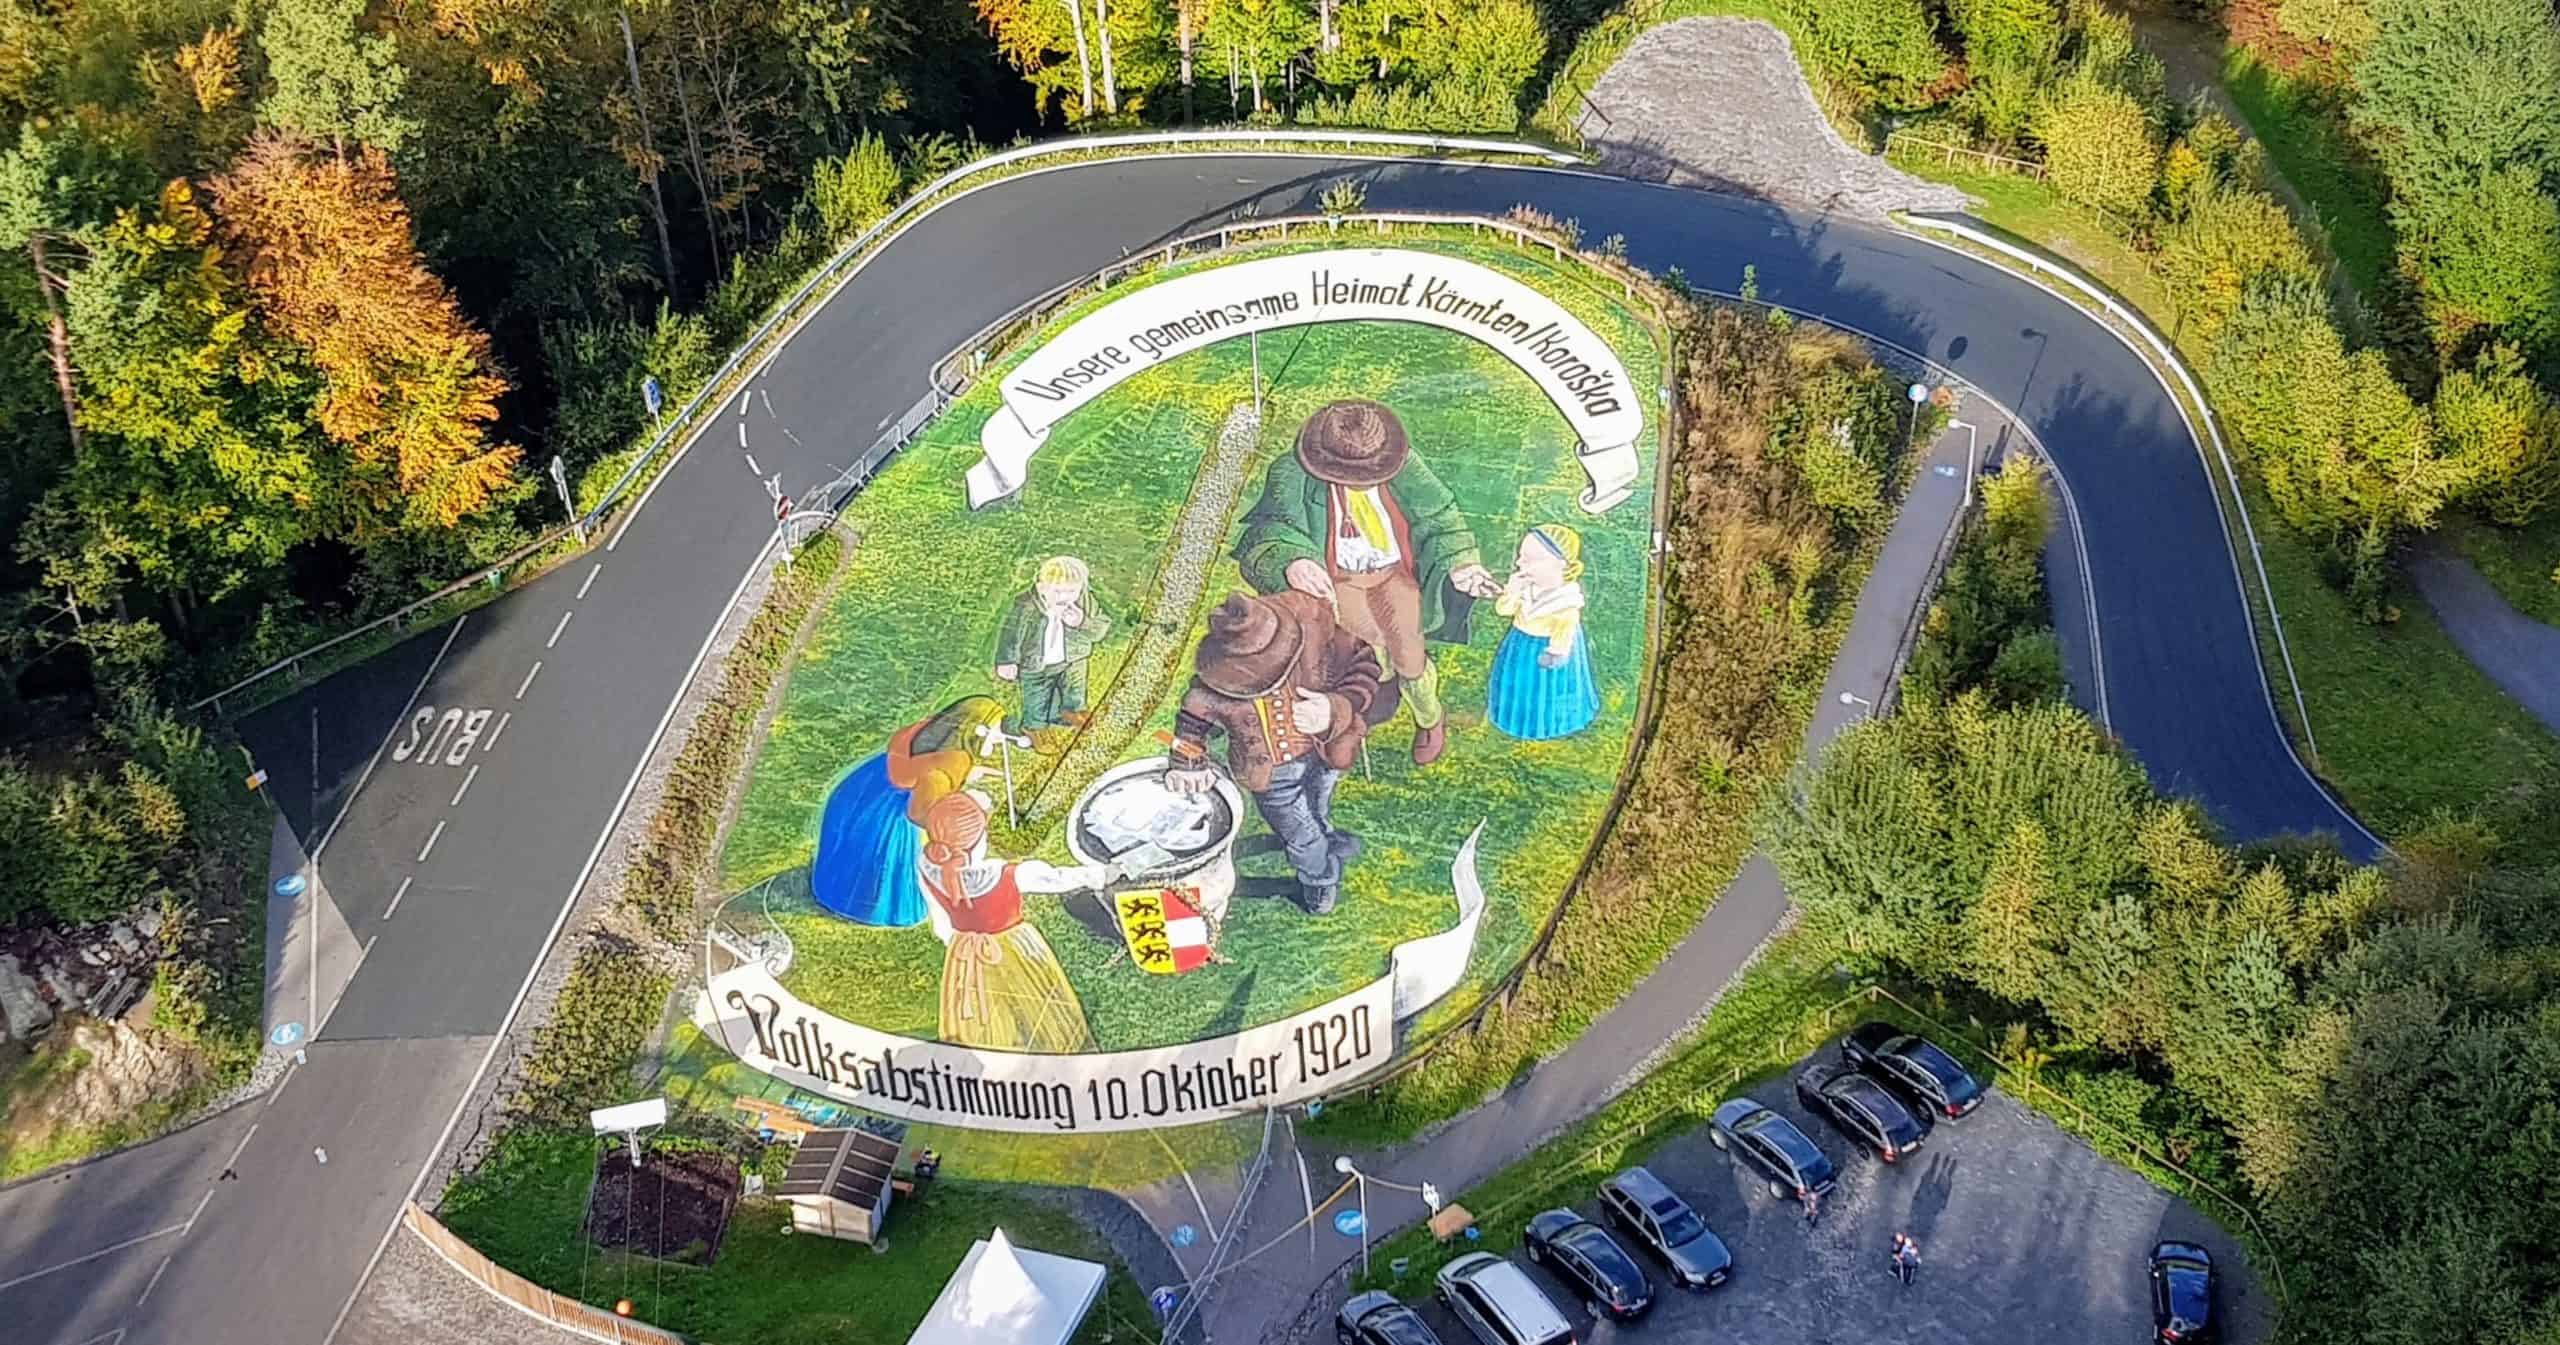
(871, 829)
(1542, 686)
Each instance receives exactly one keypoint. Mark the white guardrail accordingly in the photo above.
(789, 312)
(2167, 359)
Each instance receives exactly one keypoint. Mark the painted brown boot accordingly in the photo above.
(1429, 743)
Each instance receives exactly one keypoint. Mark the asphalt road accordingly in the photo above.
(453, 867)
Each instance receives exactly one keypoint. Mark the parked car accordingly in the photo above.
(1914, 1067)
(1586, 1257)
(1794, 1165)
(1662, 1223)
(1499, 1303)
(1374, 1318)
(1860, 1109)
(2181, 1294)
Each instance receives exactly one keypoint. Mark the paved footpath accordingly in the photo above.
(1301, 1278)
(2518, 653)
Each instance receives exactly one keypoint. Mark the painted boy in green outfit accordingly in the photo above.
(1044, 642)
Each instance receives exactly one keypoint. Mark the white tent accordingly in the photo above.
(1008, 1295)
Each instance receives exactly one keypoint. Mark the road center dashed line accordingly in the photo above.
(501, 728)
(395, 905)
(190, 1225)
(432, 838)
(564, 625)
(155, 1279)
(468, 777)
(241, 1148)
(589, 582)
(530, 674)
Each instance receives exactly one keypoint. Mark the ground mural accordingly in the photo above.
(1143, 738)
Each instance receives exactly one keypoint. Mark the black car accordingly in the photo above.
(2181, 1293)
(1794, 1165)
(1584, 1255)
(1860, 1108)
(1374, 1318)
(1914, 1067)
(1662, 1223)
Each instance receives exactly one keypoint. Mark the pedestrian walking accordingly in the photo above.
(1812, 1206)
(1906, 1259)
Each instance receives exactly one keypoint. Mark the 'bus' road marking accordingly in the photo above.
(589, 583)
(530, 674)
(470, 776)
(500, 729)
(83, 1260)
(432, 838)
(564, 625)
(386, 912)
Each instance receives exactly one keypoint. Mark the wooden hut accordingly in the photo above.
(838, 1185)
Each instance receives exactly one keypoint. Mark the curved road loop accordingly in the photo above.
(452, 858)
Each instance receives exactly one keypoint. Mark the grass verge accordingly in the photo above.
(2307, 140)
(524, 1208)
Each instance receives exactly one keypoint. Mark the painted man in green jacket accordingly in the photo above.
(1354, 518)
(1046, 638)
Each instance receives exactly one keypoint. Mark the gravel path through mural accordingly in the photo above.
(1157, 656)
(1721, 104)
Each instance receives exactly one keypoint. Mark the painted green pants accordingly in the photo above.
(1048, 693)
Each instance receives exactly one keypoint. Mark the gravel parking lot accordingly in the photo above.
(2026, 1235)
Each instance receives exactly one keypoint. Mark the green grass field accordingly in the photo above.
(523, 1209)
(912, 626)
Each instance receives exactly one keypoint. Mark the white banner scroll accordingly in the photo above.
(1304, 1055)
(1569, 362)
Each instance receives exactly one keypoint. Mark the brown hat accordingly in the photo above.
(1352, 443)
(1250, 646)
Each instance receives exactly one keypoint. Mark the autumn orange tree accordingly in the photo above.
(407, 389)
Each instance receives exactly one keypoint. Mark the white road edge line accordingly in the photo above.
(589, 582)
(432, 837)
(564, 625)
(395, 903)
(92, 1256)
(498, 1036)
(155, 1279)
(529, 674)
(467, 778)
(501, 728)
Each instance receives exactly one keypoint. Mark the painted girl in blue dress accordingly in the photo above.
(870, 832)
(1542, 686)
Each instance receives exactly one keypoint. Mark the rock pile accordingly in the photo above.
(99, 971)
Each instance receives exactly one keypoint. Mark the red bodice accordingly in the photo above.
(993, 911)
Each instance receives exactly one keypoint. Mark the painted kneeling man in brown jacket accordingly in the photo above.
(1294, 694)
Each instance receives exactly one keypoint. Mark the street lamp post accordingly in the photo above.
(1919, 395)
(1854, 699)
(1342, 1164)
